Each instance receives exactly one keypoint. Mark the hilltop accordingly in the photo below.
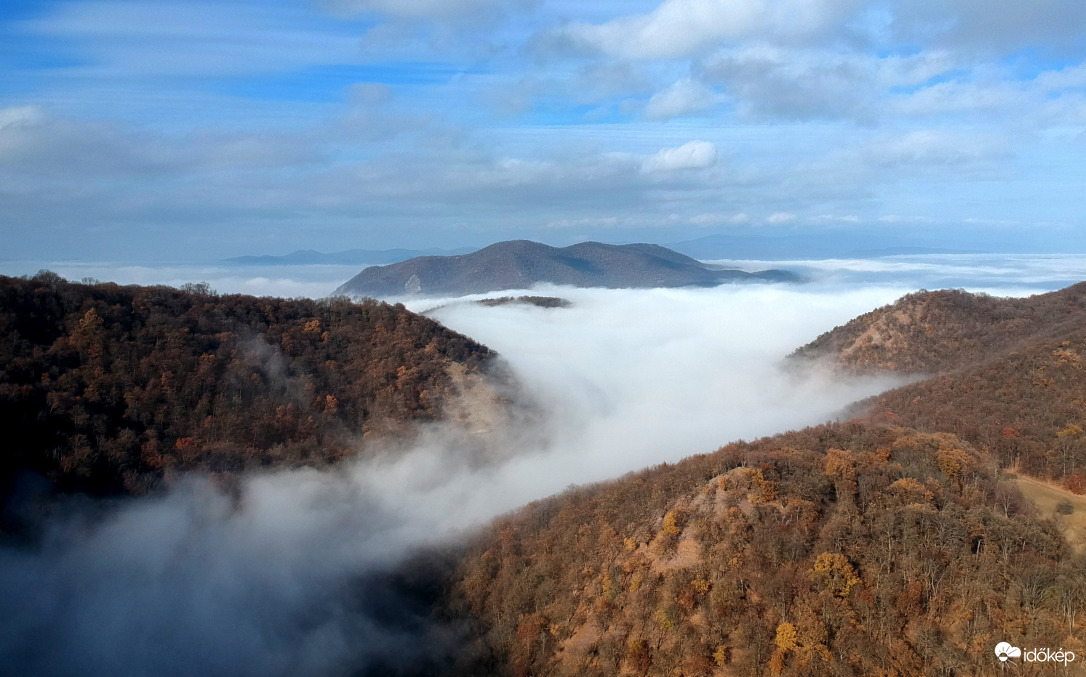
(108, 389)
(519, 264)
(935, 331)
(1006, 374)
(841, 549)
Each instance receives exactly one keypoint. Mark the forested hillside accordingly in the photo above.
(929, 332)
(1027, 408)
(847, 549)
(888, 545)
(107, 388)
(1008, 375)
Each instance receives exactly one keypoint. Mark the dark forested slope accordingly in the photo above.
(934, 331)
(847, 550)
(106, 388)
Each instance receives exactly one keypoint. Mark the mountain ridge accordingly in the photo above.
(935, 331)
(519, 264)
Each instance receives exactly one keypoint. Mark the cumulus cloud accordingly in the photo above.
(778, 218)
(930, 148)
(1071, 77)
(684, 97)
(1000, 25)
(774, 82)
(718, 219)
(691, 155)
(771, 81)
(15, 116)
(958, 96)
(679, 28)
(833, 219)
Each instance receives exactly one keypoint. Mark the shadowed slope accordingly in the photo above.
(108, 388)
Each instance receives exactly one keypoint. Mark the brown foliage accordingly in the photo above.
(899, 579)
(104, 388)
(928, 332)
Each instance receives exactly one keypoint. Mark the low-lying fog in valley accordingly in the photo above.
(276, 580)
(1006, 274)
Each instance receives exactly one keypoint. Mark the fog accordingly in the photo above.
(286, 576)
(1003, 274)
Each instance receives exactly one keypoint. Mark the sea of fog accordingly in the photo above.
(273, 581)
(1006, 274)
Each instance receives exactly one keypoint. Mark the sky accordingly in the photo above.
(143, 130)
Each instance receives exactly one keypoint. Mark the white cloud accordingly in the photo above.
(930, 148)
(835, 219)
(684, 97)
(679, 28)
(682, 28)
(18, 116)
(692, 155)
(955, 96)
(778, 218)
(1003, 25)
(1071, 77)
(770, 81)
(904, 218)
(718, 219)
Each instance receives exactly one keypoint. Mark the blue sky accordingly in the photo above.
(140, 130)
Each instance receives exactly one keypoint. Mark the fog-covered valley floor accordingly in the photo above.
(275, 579)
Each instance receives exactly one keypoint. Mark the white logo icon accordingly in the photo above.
(1004, 651)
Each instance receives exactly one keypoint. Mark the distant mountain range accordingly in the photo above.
(350, 257)
(813, 245)
(519, 264)
(732, 246)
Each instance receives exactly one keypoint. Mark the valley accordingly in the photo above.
(840, 544)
